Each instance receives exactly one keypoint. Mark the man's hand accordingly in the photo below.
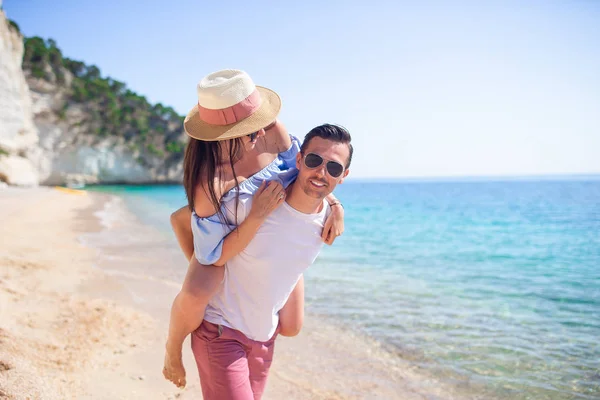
(334, 226)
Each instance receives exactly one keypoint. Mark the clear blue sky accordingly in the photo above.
(428, 89)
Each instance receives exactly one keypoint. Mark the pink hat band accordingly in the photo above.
(232, 114)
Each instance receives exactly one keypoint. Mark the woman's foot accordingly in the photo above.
(173, 369)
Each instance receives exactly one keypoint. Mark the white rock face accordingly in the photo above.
(18, 134)
(18, 171)
(71, 154)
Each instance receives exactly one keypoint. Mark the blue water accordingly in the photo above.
(494, 283)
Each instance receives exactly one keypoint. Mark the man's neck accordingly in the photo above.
(298, 200)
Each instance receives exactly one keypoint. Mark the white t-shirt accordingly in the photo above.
(259, 280)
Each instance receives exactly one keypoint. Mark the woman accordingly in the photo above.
(238, 150)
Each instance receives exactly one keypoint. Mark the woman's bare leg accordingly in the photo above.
(200, 284)
(291, 316)
(188, 307)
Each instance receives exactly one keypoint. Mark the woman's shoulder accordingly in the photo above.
(203, 203)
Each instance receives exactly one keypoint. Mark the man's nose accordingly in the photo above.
(321, 170)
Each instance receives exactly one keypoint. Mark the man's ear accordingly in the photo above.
(261, 133)
(346, 172)
(298, 160)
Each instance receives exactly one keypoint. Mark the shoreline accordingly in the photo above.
(119, 312)
(63, 333)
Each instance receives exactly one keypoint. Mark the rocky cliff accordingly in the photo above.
(19, 153)
(62, 123)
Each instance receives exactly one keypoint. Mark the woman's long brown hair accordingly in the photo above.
(203, 162)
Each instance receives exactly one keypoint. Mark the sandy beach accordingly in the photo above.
(86, 322)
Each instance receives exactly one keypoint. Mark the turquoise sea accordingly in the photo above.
(492, 284)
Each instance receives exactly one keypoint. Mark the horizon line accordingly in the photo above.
(472, 178)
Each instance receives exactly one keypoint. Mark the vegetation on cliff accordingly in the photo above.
(110, 107)
(14, 25)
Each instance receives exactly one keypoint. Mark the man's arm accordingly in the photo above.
(334, 225)
(181, 224)
(291, 316)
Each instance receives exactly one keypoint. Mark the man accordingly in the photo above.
(234, 345)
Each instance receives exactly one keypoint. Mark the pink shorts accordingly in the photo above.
(230, 365)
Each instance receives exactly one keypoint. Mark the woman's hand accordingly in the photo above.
(334, 226)
(267, 198)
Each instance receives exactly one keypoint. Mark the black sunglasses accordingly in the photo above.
(334, 168)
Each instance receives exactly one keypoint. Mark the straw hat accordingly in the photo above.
(230, 106)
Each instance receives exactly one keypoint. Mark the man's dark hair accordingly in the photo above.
(334, 133)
